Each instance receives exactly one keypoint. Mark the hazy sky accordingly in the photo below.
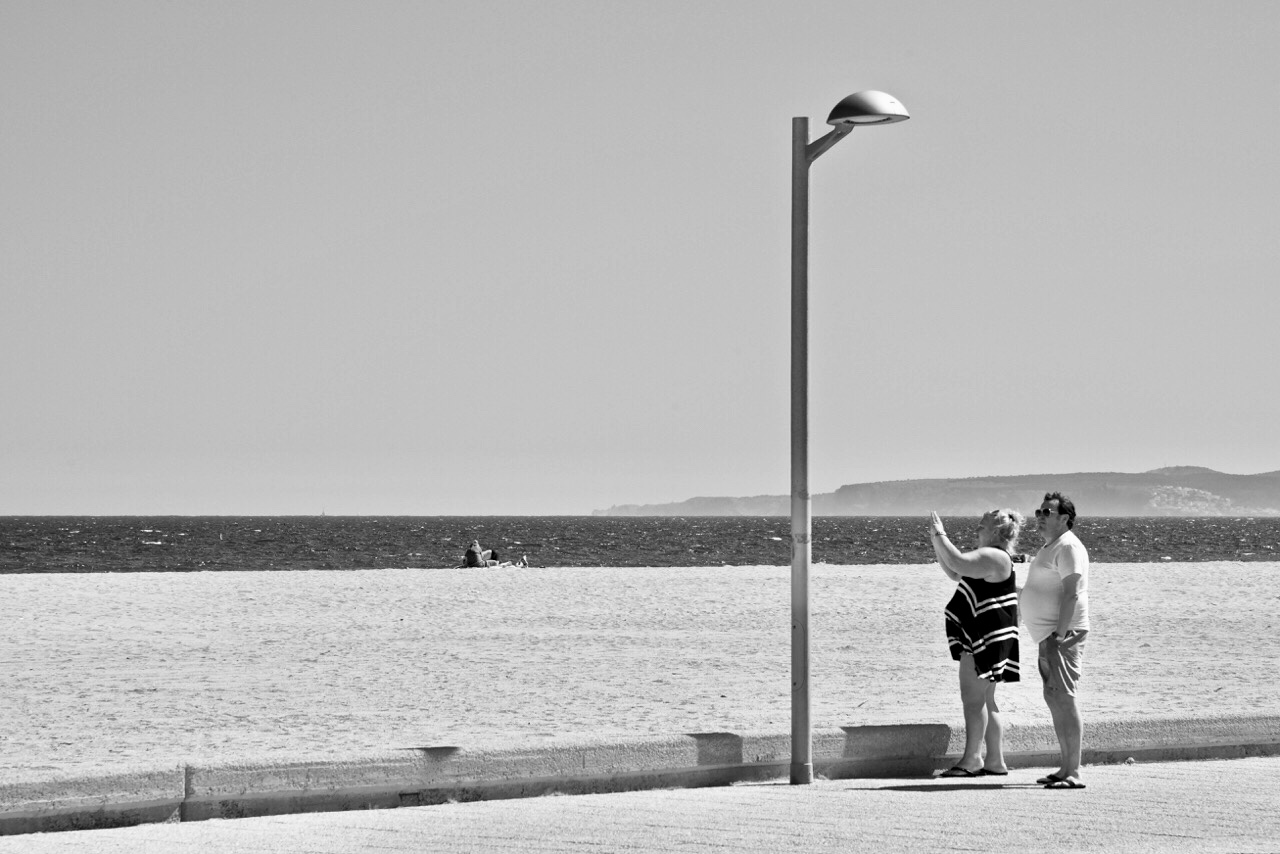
(533, 257)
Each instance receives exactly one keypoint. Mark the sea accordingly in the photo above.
(30, 544)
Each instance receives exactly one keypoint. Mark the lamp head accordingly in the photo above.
(868, 108)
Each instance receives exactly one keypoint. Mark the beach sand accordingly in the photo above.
(114, 670)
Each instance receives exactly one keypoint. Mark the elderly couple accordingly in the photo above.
(982, 630)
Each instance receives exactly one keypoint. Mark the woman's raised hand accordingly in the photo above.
(935, 525)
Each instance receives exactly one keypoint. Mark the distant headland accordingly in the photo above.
(1173, 491)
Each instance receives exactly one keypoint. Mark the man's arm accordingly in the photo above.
(1067, 607)
(1071, 579)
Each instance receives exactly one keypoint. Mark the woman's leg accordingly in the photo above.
(995, 733)
(973, 695)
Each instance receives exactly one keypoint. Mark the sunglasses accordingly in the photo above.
(1044, 512)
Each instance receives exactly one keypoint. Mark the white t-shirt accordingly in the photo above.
(1040, 599)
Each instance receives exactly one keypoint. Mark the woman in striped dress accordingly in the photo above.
(982, 631)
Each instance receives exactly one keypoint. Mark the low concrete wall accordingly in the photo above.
(433, 775)
(80, 803)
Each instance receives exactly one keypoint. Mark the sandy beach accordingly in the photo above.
(118, 670)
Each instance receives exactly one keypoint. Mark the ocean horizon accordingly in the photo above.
(35, 544)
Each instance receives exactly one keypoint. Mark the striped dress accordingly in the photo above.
(982, 620)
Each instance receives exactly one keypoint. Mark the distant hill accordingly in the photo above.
(1174, 491)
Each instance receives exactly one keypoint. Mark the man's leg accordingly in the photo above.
(1044, 661)
(1060, 670)
(1071, 738)
(1051, 700)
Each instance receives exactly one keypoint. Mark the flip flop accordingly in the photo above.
(987, 772)
(1049, 779)
(957, 771)
(1065, 783)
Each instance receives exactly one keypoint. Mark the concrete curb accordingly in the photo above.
(80, 803)
(432, 775)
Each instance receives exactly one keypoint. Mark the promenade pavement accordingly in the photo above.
(1202, 806)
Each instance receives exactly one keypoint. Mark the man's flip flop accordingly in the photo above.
(987, 772)
(1065, 783)
(957, 771)
(1050, 778)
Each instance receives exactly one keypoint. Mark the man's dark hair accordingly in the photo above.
(1065, 506)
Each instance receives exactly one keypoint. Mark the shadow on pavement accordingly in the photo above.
(948, 787)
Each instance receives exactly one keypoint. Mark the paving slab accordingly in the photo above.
(1204, 806)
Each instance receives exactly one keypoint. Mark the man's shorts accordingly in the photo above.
(1060, 668)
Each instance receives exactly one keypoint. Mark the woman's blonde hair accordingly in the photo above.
(1007, 528)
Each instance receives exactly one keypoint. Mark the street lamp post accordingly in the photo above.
(870, 108)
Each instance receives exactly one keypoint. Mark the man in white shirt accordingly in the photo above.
(1054, 605)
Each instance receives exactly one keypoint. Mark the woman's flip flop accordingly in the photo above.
(957, 771)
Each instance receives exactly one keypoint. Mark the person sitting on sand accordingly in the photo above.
(982, 631)
(476, 557)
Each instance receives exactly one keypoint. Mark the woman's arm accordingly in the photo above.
(950, 574)
(942, 555)
(980, 563)
(937, 535)
(937, 532)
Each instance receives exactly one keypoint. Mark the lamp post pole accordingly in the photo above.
(861, 108)
(801, 524)
(801, 503)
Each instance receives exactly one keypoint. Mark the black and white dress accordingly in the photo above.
(982, 620)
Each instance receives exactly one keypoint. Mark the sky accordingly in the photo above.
(468, 258)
